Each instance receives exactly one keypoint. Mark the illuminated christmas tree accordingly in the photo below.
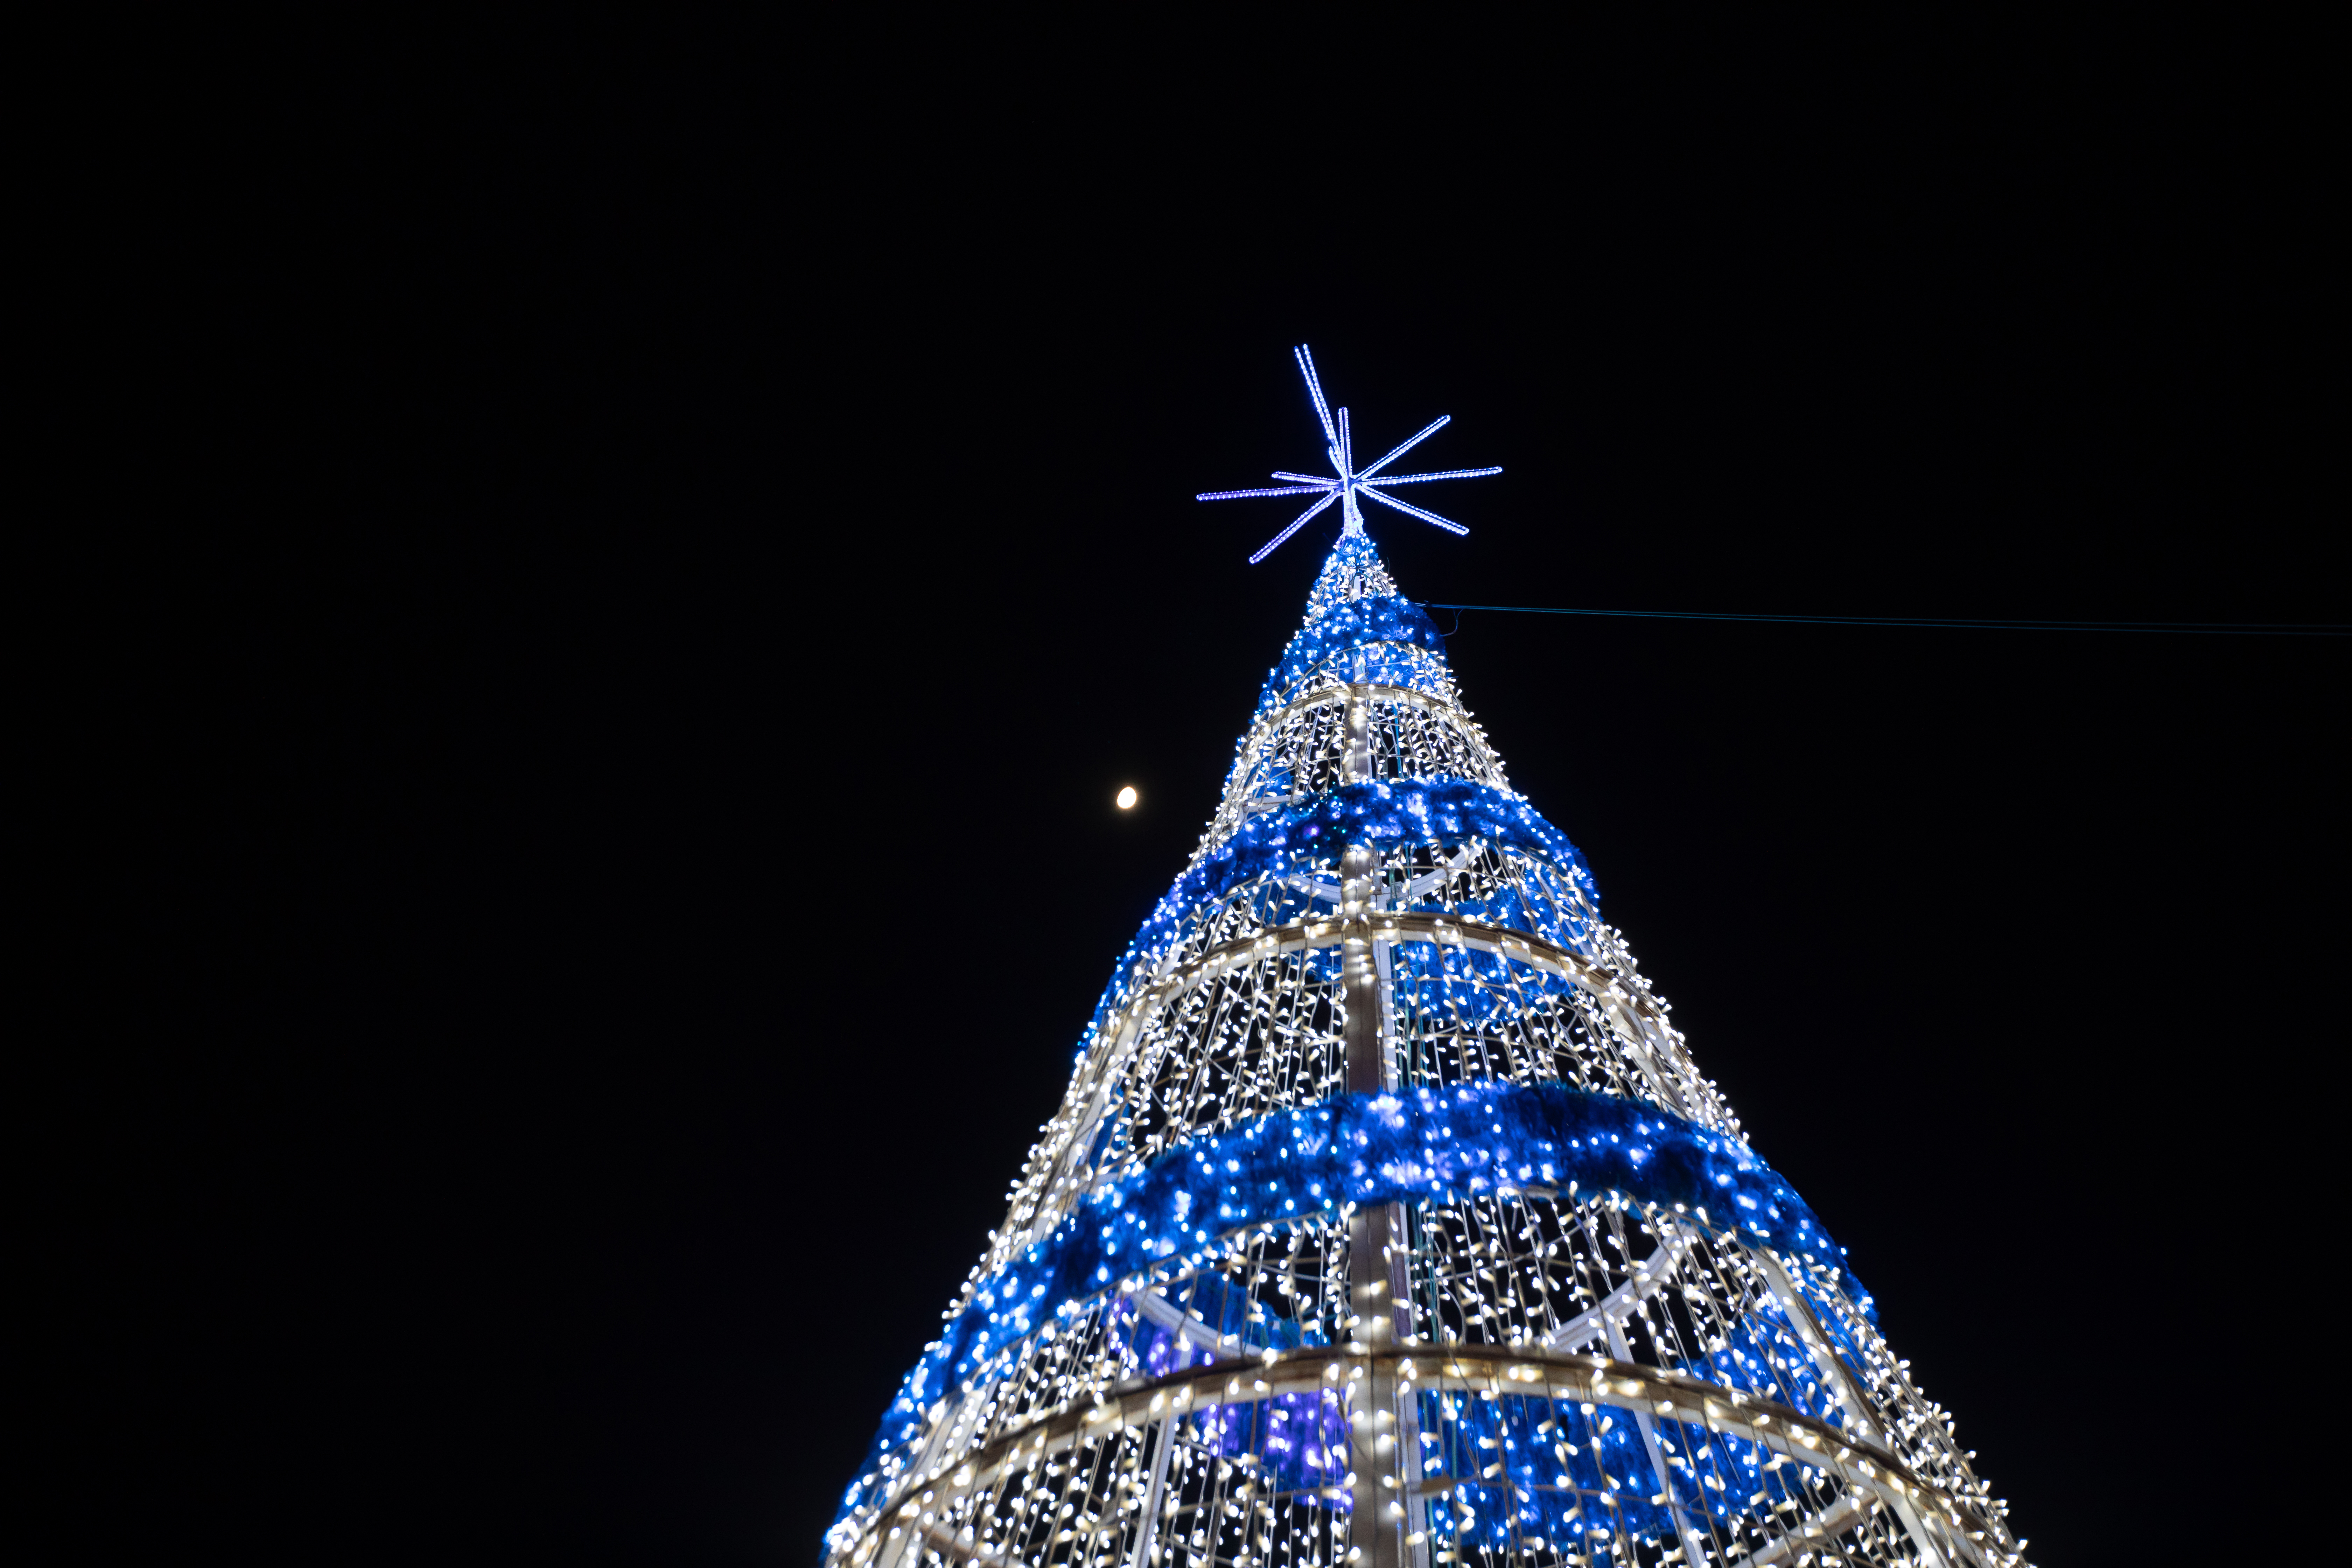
(1387, 1220)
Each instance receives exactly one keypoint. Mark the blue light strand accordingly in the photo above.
(1374, 618)
(1305, 1442)
(1448, 1144)
(1306, 358)
(1442, 813)
(1446, 474)
(1525, 1490)
(1244, 495)
(1296, 524)
(1384, 812)
(1426, 431)
(1412, 511)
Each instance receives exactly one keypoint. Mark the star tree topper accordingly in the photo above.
(1350, 483)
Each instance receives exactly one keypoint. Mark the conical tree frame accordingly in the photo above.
(1387, 1221)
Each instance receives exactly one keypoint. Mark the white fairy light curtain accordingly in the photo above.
(1387, 1220)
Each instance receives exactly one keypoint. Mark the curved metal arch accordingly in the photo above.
(1865, 1468)
(1340, 695)
(1625, 1006)
(1325, 663)
(1639, 1022)
(1235, 807)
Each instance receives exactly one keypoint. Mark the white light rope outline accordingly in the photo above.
(1864, 1466)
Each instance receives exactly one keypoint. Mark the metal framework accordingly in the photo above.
(1522, 1372)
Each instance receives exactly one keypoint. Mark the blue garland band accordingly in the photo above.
(1289, 1167)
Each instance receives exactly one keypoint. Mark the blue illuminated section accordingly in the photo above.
(1441, 814)
(1349, 484)
(1387, 814)
(1437, 1144)
(1344, 628)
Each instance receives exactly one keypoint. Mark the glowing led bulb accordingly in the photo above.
(1126, 798)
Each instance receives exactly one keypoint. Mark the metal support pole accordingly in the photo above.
(1398, 1253)
(1408, 1403)
(1147, 1540)
(1359, 976)
(1379, 1416)
(1355, 767)
(1375, 1239)
(1694, 1543)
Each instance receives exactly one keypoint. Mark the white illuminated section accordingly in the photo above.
(1126, 798)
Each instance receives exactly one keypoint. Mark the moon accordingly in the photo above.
(1126, 798)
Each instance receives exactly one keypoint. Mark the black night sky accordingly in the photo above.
(809, 557)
